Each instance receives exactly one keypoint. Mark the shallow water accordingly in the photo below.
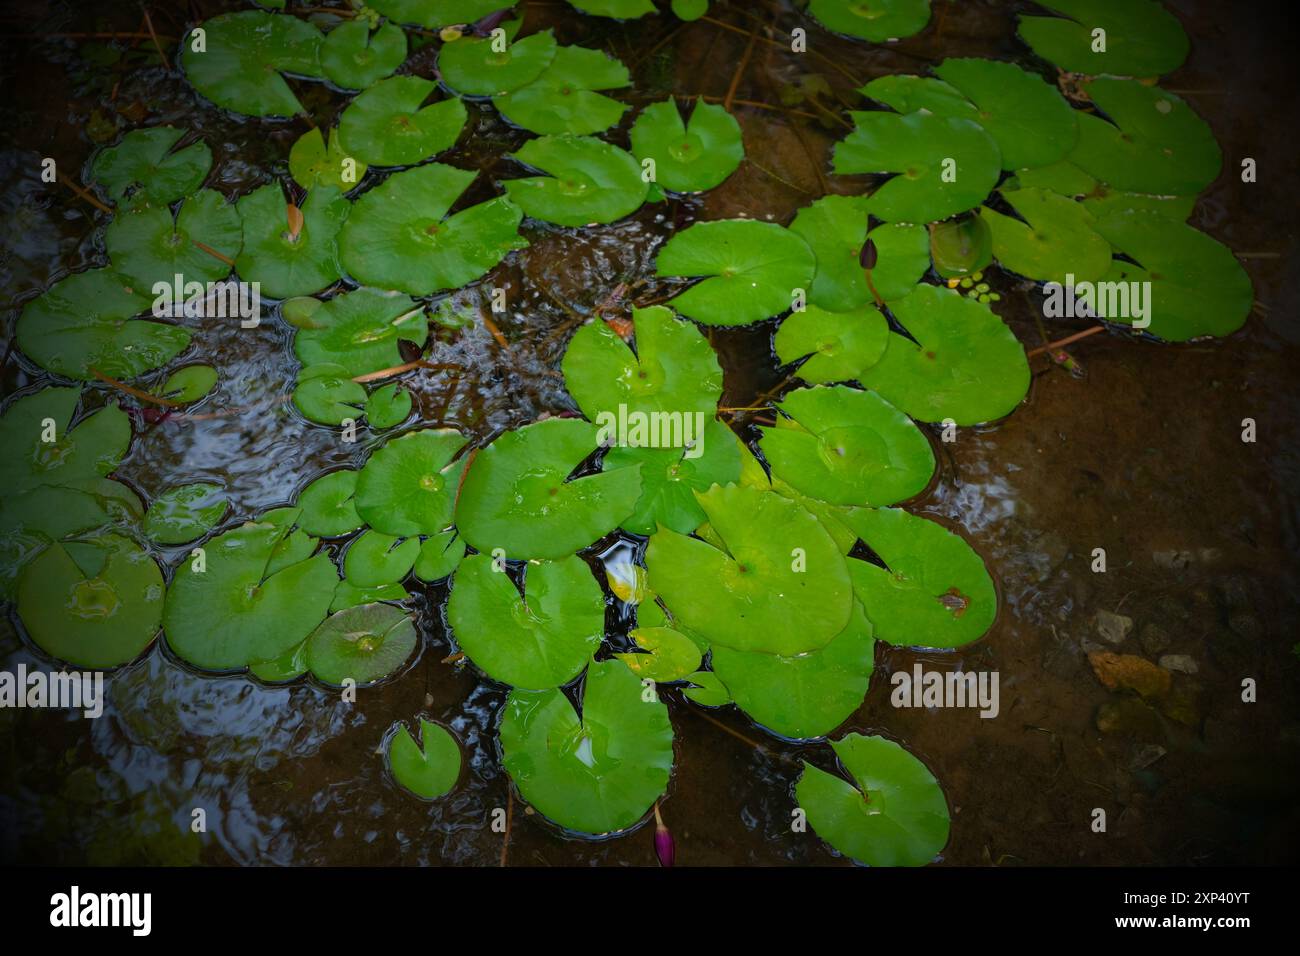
(1139, 454)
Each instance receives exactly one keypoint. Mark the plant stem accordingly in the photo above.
(1068, 340)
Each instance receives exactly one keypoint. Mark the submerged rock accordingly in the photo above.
(1179, 663)
(1113, 628)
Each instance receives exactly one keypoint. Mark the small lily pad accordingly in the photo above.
(564, 98)
(143, 167)
(375, 559)
(328, 507)
(288, 261)
(362, 331)
(669, 655)
(839, 345)
(185, 512)
(435, 13)
(387, 126)
(312, 163)
(1142, 37)
(88, 450)
(588, 181)
(430, 768)
(365, 643)
(245, 53)
(440, 555)
(1056, 239)
(388, 406)
(289, 666)
(189, 384)
(620, 9)
(354, 58)
(147, 247)
(708, 690)
(472, 67)
(347, 595)
(326, 394)
(408, 486)
(874, 20)
(961, 247)
(693, 156)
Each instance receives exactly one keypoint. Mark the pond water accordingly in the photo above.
(1138, 451)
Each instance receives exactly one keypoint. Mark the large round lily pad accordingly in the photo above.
(408, 486)
(362, 331)
(874, 20)
(693, 156)
(1142, 37)
(838, 345)
(598, 773)
(387, 125)
(365, 643)
(430, 768)
(1055, 243)
(144, 168)
(245, 53)
(472, 67)
(289, 262)
(588, 181)
(147, 247)
(564, 98)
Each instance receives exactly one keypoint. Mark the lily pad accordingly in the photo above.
(780, 587)
(375, 559)
(84, 324)
(588, 181)
(388, 406)
(245, 53)
(1099, 199)
(945, 165)
(440, 555)
(289, 666)
(564, 98)
(347, 594)
(430, 768)
(237, 610)
(143, 168)
(354, 58)
(147, 247)
(1055, 241)
(621, 9)
(542, 639)
(598, 773)
(1142, 37)
(189, 384)
(751, 270)
(894, 814)
(471, 67)
(874, 20)
(365, 643)
(289, 262)
(839, 345)
(399, 236)
(961, 362)
(362, 331)
(672, 374)
(848, 447)
(89, 450)
(961, 247)
(668, 655)
(328, 506)
(934, 590)
(326, 394)
(693, 156)
(94, 604)
(517, 497)
(312, 163)
(408, 486)
(185, 512)
(707, 690)
(436, 13)
(387, 126)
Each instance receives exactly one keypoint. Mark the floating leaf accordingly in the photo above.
(388, 406)
(328, 508)
(362, 331)
(961, 362)
(375, 559)
(289, 262)
(399, 236)
(94, 604)
(945, 165)
(690, 9)
(290, 665)
(471, 67)
(516, 496)
(689, 157)
(386, 126)
(670, 479)
(1142, 37)
(436, 13)
(961, 247)
(709, 691)
(563, 99)
(237, 610)
(1099, 199)
(185, 512)
(934, 590)
(148, 247)
(848, 447)
(896, 814)
(189, 384)
(58, 511)
(326, 394)
(354, 58)
(669, 655)
(347, 595)
(84, 324)
(245, 53)
(364, 643)
(89, 450)
(312, 164)
(874, 20)
(752, 270)
(142, 167)
(780, 587)
(840, 344)
(430, 768)
(622, 9)
(542, 639)
(440, 555)
(596, 774)
(588, 181)
(1056, 240)
(407, 487)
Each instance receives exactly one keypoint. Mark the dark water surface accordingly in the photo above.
(1139, 453)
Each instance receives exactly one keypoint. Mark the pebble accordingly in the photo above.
(1112, 627)
(1179, 663)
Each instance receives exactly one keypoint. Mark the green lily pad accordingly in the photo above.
(430, 768)
(961, 247)
(189, 384)
(399, 236)
(435, 13)
(962, 363)
(237, 610)
(835, 228)
(89, 450)
(143, 168)
(1099, 199)
(471, 67)
(388, 406)
(564, 98)
(847, 447)
(693, 156)
(440, 555)
(1056, 239)
(708, 690)
(669, 479)
(621, 9)
(408, 486)
(598, 773)
(1197, 286)
(386, 125)
(874, 20)
(312, 163)
(689, 9)
(328, 506)
(354, 58)
(516, 496)
(365, 643)
(542, 639)
(375, 559)
(669, 655)
(362, 331)
(326, 394)
(1142, 37)
(185, 512)
(805, 696)
(244, 55)
(289, 666)
(945, 165)
(148, 247)
(934, 590)
(347, 594)
(588, 181)
(53, 512)
(839, 344)
(673, 372)
(84, 324)
(1156, 145)
(780, 587)
(896, 815)
(94, 604)
(751, 270)
(284, 263)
